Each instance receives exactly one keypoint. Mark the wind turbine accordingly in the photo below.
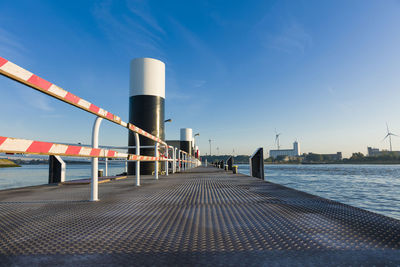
(277, 139)
(389, 134)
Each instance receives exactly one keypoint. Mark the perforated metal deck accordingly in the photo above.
(202, 217)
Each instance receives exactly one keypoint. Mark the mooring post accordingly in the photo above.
(94, 196)
(257, 164)
(229, 162)
(57, 168)
(137, 141)
(146, 106)
(156, 162)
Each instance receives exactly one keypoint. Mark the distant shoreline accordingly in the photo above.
(333, 163)
(6, 163)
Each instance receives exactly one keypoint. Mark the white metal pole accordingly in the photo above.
(167, 161)
(94, 195)
(156, 162)
(174, 160)
(179, 160)
(106, 161)
(137, 141)
(126, 166)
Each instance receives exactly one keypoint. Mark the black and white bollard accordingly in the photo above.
(186, 140)
(146, 107)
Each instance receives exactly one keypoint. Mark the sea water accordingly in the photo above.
(372, 187)
(29, 175)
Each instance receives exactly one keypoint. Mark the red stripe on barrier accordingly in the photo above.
(39, 147)
(110, 153)
(2, 139)
(42, 83)
(3, 61)
(95, 152)
(110, 116)
(73, 150)
(72, 98)
(94, 108)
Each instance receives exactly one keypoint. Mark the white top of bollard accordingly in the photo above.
(186, 134)
(147, 77)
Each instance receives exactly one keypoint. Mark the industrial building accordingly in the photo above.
(294, 152)
(374, 152)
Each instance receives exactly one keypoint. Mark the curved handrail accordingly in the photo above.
(21, 75)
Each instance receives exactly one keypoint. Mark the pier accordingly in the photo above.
(203, 216)
(169, 209)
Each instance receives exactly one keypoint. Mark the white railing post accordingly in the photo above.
(94, 195)
(106, 163)
(167, 161)
(179, 160)
(174, 160)
(156, 161)
(137, 141)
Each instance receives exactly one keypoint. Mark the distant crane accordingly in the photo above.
(209, 140)
(389, 134)
(277, 139)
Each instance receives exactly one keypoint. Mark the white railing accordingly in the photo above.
(13, 145)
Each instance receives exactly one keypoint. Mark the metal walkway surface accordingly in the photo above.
(202, 217)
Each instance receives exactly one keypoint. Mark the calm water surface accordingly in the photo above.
(371, 187)
(28, 175)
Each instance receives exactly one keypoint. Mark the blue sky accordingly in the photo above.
(324, 72)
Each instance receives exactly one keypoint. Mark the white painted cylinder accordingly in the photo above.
(95, 161)
(106, 167)
(137, 141)
(166, 162)
(186, 134)
(156, 162)
(147, 77)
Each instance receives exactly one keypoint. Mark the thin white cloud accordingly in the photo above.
(198, 83)
(10, 46)
(331, 91)
(291, 37)
(142, 10)
(33, 99)
(200, 47)
(130, 30)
